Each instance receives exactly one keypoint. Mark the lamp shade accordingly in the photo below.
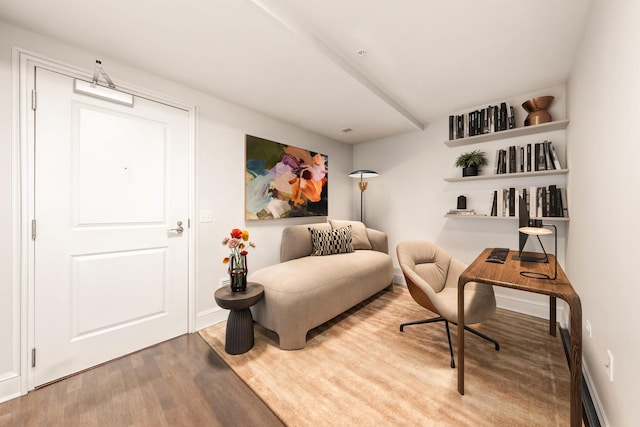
(363, 173)
(535, 231)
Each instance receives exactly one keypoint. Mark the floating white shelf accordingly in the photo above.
(508, 175)
(510, 133)
(479, 216)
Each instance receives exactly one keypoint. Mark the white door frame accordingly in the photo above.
(24, 196)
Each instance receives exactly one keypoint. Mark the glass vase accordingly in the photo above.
(238, 273)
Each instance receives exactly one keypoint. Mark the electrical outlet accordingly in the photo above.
(588, 326)
(609, 364)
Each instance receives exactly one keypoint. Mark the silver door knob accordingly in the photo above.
(178, 229)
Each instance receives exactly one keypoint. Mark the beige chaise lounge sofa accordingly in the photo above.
(304, 290)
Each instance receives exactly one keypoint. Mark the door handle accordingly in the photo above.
(179, 229)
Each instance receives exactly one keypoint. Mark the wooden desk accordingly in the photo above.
(508, 276)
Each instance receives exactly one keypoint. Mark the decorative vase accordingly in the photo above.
(238, 273)
(537, 109)
(470, 171)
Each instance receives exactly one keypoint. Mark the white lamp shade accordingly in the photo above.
(535, 231)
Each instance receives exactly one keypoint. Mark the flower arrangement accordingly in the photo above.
(237, 259)
(237, 242)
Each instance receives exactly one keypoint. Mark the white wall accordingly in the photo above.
(8, 288)
(410, 197)
(221, 128)
(604, 104)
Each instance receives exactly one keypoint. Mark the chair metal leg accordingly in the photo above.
(481, 335)
(446, 324)
(453, 363)
(421, 322)
(433, 320)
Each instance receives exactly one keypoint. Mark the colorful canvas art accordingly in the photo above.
(283, 181)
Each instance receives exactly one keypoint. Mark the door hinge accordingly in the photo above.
(189, 223)
(33, 357)
(33, 229)
(33, 99)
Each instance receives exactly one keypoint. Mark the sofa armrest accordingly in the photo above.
(379, 241)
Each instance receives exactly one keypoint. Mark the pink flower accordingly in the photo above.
(237, 243)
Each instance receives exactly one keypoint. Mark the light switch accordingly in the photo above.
(205, 216)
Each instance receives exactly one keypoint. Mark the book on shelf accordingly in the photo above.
(504, 116)
(500, 202)
(539, 156)
(554, 157)
(512, 118)
(564, 211)
(542, 202)
(547, 156)
(552, 210)
(512, 159)
(486, 120)
(512, 201)
(451, 128)
(494, 204)
(493, 118)
(461, 212)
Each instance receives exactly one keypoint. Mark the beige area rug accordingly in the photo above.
(360, 370)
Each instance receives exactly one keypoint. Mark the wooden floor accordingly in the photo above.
(181, 382)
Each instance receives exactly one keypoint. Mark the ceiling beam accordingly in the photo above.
(288, 22)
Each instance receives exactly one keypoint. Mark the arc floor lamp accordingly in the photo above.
(362, 184)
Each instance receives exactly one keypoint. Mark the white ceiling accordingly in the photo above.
(297, 60)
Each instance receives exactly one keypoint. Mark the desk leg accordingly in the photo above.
(552, 316)
(576, 361)
(461, 336)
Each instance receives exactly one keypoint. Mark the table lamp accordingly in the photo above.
(362, 184)
(541, 231)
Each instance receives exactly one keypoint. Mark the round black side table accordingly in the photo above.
(239, 338)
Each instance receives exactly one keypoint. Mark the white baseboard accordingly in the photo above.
(597, 403)
(398, 279)
(210, 317)
(9, 386)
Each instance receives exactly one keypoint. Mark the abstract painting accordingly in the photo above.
(283, 181)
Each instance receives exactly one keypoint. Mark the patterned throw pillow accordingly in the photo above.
(328, 242)
(359, 236)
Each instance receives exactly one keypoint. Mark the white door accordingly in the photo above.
(110, 182)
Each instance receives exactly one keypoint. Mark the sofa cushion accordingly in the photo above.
(359, 236)
(296, 240)
(329, 242)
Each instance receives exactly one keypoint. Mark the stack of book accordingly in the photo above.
(461, 212)
(541, 202)
(493, 118)
(539, 156)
